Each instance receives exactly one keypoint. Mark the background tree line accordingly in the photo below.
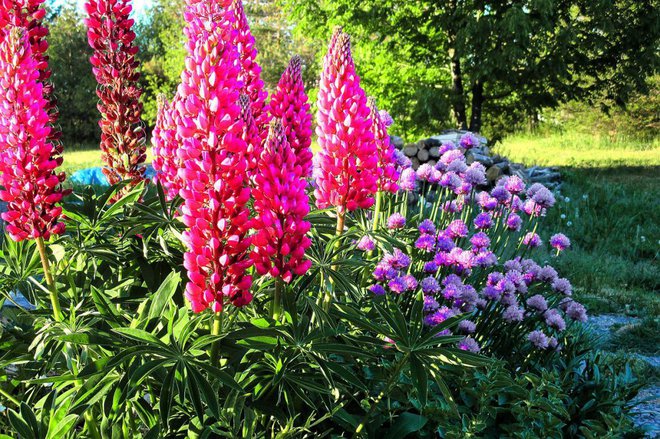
(488, 66)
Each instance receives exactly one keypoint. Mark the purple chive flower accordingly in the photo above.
(563, 286)
(537, 303)
(457, 166)
(469, 344)
(513, 314)
(430, 285)
(538, 339)
(399, 259)
(514, 184)
(447, 146)
(469, 295)
(407, 180)
(533, 189)
(435, 176)
(396, 221)
(427, 227)
(467, 327)
(452, 155)
(533, 209)
(430, 267)
(451, 291)
(452, 206)
(425, 243)
(424, 172)
(397, 285)
(438, 316)
(366, 244)
(508, 299)
(560, 242)
(441, 259)
(475, 174)
(480, 241)
(544, 198)
(486, 202)
(576, 311)
(452, 279)
(516, 204)
(554, 320)
(462, 260)
(457, 229)
(430, 304)
(513, 222)
(483, 221)
(378, 290)
(468, 141)
(410, 281)
(491, 293)
(547, 274)
(451, 180)
(485, 259)
(532, 240)
(444, 243)
(553, 343)
(513, 265)
(501, 194)
(401, 160)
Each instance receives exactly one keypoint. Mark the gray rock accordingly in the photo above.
(423, 155)
(485, 160)
(410, 150)
(494, 173)
(434, 152)
(415, 163)
(432, 162)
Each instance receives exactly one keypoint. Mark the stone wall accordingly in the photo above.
(428, 151)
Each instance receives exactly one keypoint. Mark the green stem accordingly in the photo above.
(382, 394)
(341, 219)
(379, 207)
(9, 397)
(215, 330)
(277, 298)
(54, 299)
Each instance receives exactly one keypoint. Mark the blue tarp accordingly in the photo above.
(94, 176)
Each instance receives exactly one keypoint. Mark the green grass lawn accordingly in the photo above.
(87, 156)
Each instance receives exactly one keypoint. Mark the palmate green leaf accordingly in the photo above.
(344, 373)
(420, 379)
(20, 425)
(220, 375)
(142, 336)
(62, 427)
(192, 387)
(397, 321)
(341, 349)
(167, 395)
(164, 294)
(406, 424)
(28, 416)
(209, 395)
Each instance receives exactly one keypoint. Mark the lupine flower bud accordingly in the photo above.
(250, 74)
(388, 175)
(31, 187)
(289, 103)
(250, 135)
(116, 70)
(281, 205)
(166, 162)
(347, 163)
(215, 189)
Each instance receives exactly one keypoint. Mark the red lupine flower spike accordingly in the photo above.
(31, 186)
(110, 34)
(388, 175)
(215, 182)
(346, 167)
(166, 162)
(250, 135)
(289, 103)
(281, 204)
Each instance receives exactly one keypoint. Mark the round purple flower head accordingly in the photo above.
(560, 242)
(430, 304)
(407, 180)
(467, 327)
(447, 146)
(538, 339)
(513, 314)
(532, 240)
(410, 281)
(430, 285)
(469, 344)
(396, 221)
(501, 194)
(424, 172)
(398, 259)
(378, 290)
(563, 286)
(455, 154)
(397, 285)
(513, 222)
(451, 206)
(444, 243)
(457, 229)
(366, 244)
(544, 198)
(480, 241)
(451, 180)
(469, 141)
(554, 320)
(576, 311)
(427, 227)
(514, 184)
(547, 274)
(485, 259)
(475, 174)
(430, 267)
(483, 221)
(537, 303)
(438, 316)
(386, 118)
(534, 189)
(457, 166)
(425, 243)
(402, 161)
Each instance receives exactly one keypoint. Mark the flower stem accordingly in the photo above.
(379, 207)
(341, 219)
(54, 299)
(9, 397)
(215, 330)
(277, 298)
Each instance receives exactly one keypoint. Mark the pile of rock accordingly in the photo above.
(428, 151)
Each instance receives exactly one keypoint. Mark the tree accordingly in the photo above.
(75, 86)
(508, 56)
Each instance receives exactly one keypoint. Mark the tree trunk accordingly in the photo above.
(477, 106)
(458, 97)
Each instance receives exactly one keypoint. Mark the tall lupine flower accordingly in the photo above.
(115, 67)
(347, 174)
(388, 175)
(250, 135)
(166, 162)
(29, 14)
(289, 103)
(215, 189)
(31, 186)
(280, 204)
(250, 73)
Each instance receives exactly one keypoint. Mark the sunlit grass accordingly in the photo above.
(90, 157)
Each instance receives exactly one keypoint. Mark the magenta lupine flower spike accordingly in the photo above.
(281, 205)
(346, 174)
(251, 135)
(31, 186)
(215, 189)
(250, 74)
(388, 175)
(115, 67)
(289, 103)
(166, 162)
(29, 14)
